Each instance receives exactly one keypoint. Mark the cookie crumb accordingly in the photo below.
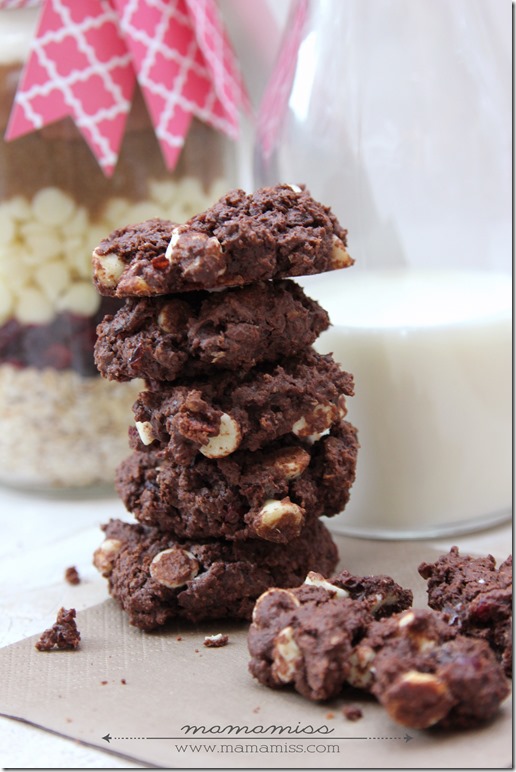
(103, 683)
(63, 634)
(179, 638)
(257, 709)
(216, 641)
(352, 712)
(123, 681)
(72, 575)
(330, 715)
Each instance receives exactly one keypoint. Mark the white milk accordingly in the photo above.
(18, 29)
(431, 356)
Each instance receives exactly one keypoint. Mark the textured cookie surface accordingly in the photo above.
(320, 637)
(475, 596)
(426, 674)
(305, 636)
(273, 233)
(155, 577)
(303, 396)
(199, 333)
(268, 494)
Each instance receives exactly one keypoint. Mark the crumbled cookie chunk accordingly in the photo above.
(72, 575)
(231, 497)
(198, 333)
(273, 233)
(305, 635)
(216, 641)
(63, 634)
(426, 674)
(303, 396)
(352, 712)
(475, 597)
(155, 577)
(319, 638)
(382, 594)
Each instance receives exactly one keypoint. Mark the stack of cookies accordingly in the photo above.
(239, 444)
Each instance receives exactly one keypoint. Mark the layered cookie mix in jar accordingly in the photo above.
(62, 425)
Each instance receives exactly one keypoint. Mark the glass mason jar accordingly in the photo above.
(397, 114)
(63, 427)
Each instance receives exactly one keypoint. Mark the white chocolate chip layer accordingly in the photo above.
(226, 441)
(287, 656)
(145, 431)
(317, 580)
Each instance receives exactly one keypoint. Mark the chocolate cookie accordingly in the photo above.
(267, 494)
(302, 396)
(305, 636)
(475, 597)
(273, 233)
(199, 333)
(426, 674)
(155, 577)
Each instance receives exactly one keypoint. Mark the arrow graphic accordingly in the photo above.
(406, 738)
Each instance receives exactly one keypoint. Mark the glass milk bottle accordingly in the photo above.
(397, 115)
(63, 427)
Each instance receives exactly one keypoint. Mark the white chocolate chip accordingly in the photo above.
(361, 670)
(53, 278)
(174, 567)
(77, 225)
(195, 240)
(108, 268)
(422, 643)
(323, 414)
(52, 206)
(286, 656)
(7, 226)
(226, 441)
(174, 238)
(276, 516)
(290, 463)
(413, 687)
(33, 307)
(103, 557)
(339, 257)
(115, 211)
(41, 242)
(382, 601)
(145, 431)
(274, 591)
(18, 208)
(407, 619)
(316, 580)
(81, 298)
(295, 188)
(6, 303)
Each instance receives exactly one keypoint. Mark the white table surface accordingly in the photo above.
(40, 537)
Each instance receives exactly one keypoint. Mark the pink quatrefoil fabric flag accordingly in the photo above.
(87, 55)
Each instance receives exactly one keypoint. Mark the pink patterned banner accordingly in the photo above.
(87, 55)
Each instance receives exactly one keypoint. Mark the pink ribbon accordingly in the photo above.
(87, 55)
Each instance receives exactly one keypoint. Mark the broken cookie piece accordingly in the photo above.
(273, 233)
(216, 641)
(476, 598)
(425, 674)
(305, 635)
(63, 634)
(319, 638)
